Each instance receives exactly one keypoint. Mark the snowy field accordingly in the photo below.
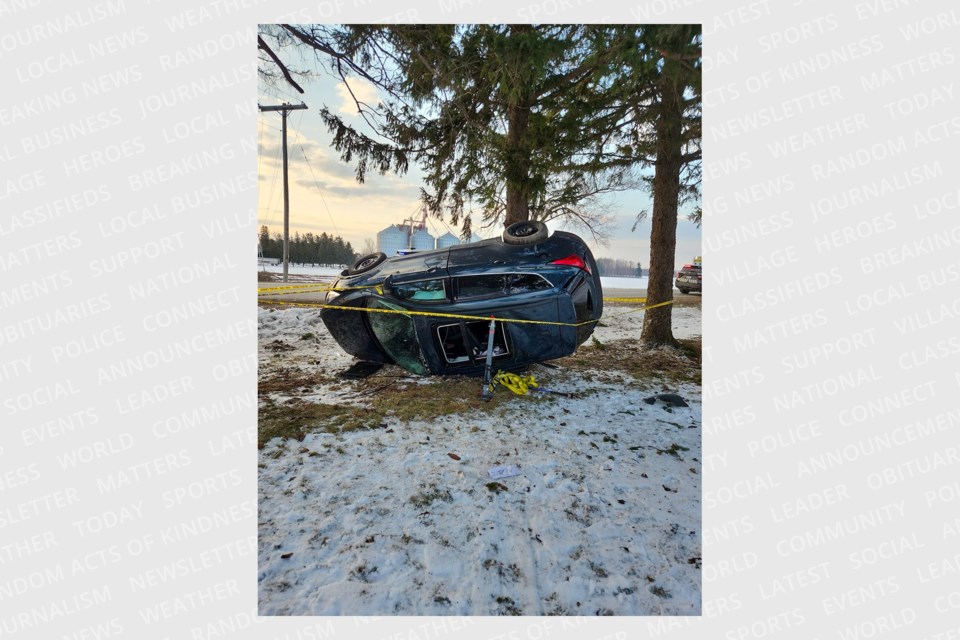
(599, 513)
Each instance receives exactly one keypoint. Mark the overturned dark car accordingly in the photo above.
(526, 274)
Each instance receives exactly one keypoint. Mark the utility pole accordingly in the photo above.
(284, 109)
(421, 224)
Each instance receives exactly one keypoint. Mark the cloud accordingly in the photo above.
(362, 91)
(366, 190)
(323, 163)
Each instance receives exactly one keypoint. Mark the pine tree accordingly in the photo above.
(677, 134)
(507, 120)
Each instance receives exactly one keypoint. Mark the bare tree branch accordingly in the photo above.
(283, 68)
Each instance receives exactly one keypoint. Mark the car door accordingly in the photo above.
(517, 296)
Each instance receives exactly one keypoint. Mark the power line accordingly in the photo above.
(273, 183)
(319, 191)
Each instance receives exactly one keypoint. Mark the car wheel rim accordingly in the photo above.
(525, 230)
(366, 263)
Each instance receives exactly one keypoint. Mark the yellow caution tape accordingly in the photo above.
(321, 288)
(519, 385)
(292, 293)
(429, 314)
(311, 288)
(455, 316)
(646, 308)
(294, 286)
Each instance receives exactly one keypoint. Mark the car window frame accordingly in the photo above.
(446, 291)
(457, 296)
(465, 360)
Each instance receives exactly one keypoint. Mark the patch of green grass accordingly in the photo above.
(295, 419)
(289, 380)
(681, 363)
(404, 401)
(440, 397)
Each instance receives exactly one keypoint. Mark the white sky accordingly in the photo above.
(326, 197)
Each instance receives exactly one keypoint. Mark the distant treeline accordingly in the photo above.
(307, 248)
(619, 268)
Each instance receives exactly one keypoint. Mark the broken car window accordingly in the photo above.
(501, 284)
(421, 291)
(398, 336)
(522, 282)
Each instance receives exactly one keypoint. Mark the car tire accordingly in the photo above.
(366, 263)
(684, 290)
(525, 232)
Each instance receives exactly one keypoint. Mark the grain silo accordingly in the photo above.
(447, 240)
(422, 240)
(392, 239)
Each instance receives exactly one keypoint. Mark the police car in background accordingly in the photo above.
(690, 277)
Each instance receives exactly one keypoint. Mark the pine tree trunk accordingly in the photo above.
(657, 323)
(517, 166)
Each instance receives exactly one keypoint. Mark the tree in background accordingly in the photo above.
(618, 268)
(264, 240)
(307, 248)
(503, 119)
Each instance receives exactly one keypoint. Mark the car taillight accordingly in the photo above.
(688, 266)
(573, 260)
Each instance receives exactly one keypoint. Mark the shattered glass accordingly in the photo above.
(398, 336)
(501, 284)
(423, 290)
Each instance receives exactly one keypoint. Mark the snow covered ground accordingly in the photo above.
(601, 515)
